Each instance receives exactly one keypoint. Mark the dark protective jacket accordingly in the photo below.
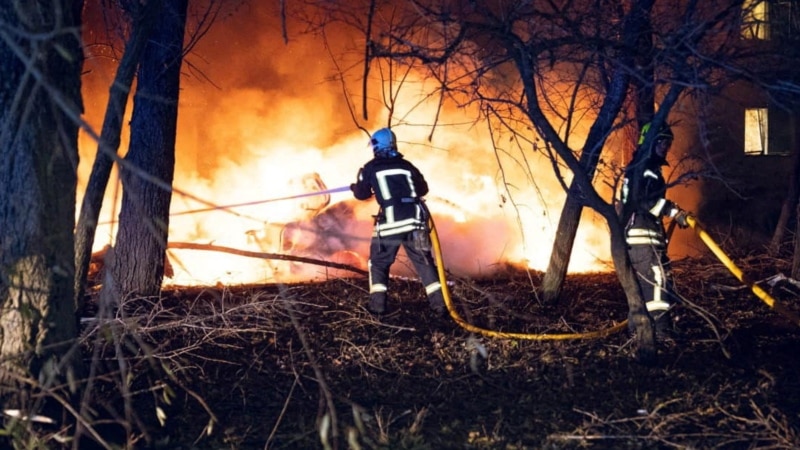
(398, 187)
(644, 198)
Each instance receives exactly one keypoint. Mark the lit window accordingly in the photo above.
(754, 19)
(755, 131)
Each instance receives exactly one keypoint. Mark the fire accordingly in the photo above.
(275, 132)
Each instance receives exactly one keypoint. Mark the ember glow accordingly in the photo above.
(274, 126)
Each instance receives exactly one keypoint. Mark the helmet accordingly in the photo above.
(384, 143)
(664, 133)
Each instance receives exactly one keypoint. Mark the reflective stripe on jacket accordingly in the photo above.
(644, 194)
(398, 187)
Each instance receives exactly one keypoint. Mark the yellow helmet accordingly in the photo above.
(664, 133)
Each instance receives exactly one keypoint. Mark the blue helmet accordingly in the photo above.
(384, 143)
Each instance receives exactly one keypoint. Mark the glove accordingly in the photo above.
(680, 218)
(353, 187)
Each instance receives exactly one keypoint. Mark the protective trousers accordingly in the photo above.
(654, 276)
(383, 252)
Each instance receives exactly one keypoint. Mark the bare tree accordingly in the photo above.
(138, 262)
(40, 108)
(142, 18)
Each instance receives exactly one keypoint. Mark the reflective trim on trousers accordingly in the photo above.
(658, 278)
(657, 305)
(433, 287)
(375, 288)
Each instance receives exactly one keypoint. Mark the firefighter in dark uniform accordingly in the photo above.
(645, 205)
(398, 187)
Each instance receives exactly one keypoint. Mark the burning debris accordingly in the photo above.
(332, 234)
(323, 231)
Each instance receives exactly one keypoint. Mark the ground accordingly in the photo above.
(305, 366)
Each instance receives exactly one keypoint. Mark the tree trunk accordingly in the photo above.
(109, 144)
(568, 222)
(138, 262)
(556, 272)
(40, 105)
(643, 85)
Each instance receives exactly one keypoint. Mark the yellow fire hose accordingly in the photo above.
(737, 272)
(502, 334)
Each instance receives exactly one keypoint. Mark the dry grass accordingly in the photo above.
(305, 366)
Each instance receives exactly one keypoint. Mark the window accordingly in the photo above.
(769, 131)
(754, 19)
(755, 131)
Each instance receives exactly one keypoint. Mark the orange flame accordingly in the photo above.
(274, 129)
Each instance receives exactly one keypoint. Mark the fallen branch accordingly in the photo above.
(262, 255)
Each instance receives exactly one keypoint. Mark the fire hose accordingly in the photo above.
(437, 249)
(737, 272)
(691, 221)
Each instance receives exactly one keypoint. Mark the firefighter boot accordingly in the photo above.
(665, 326)
(377, 303)
(436, 301)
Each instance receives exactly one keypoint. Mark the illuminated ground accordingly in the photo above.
(273, 363)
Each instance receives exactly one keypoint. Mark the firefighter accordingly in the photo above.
(645, 206)
(398, 187)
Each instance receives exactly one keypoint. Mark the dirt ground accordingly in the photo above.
(305, 366)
